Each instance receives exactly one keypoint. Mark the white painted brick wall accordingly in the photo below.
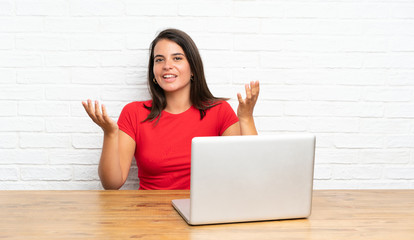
(343, 70)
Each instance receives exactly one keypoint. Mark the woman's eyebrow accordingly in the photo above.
(174, 54)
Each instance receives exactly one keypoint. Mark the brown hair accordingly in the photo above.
(200, 96)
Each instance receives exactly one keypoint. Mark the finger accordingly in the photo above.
(98, 111)
(239, 97)
(104, 113)
(248, 91)
(255, 89)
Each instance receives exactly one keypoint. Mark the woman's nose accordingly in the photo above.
(167, 64)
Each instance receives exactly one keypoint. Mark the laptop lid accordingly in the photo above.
(251, 178)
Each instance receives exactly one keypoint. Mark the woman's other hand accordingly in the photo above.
(246, 106)
(108, 125)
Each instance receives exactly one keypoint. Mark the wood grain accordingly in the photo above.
(336, 214)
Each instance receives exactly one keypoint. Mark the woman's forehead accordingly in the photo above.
(167, 47)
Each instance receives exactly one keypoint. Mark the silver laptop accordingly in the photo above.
(249, 178)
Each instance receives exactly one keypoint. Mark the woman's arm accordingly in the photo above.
(246, 125)
(117, 150)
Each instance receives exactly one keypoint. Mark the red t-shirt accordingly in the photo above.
(163, 151)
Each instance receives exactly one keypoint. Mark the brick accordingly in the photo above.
(281, 124)
(22, 124)
(400, 141)
(71, 124)
(333, 60)
(268, 108)
(401, 110)
(8, 76)
(127, 25)
(139, 59)
(401, 61)
(51, 185)
(217, 59)
(291, 93)
(6, 40)
(259, 9)
(21, 24)
(335, 156)
(288, 26)
(384, 156)
(77, 93)
(393, 126)
(98, 76)
(8, 140)
(136, 77)
(89, 141)
(6, 8)
(149, 8)
(308, 44)
(71, 59)
(357, 172)
(21, 93)
(273, 77)
(359, 141)
(279, 61)
(48, 75)
(32, 108)
(97, 42)
(46, 173)
(41, 7)
(139, 41)
(44, 140)
(322, 172)
(213, 42)
(232, 25)
(21, 60)
(218, 76)
(8, 108)
(41, 42)
(387, 94)
(96, 8)
(85, 173)
(78, 157)
(349, 109)
(401, 78)
(125, 94)
(23, 156)
(335, 93)
(71, 24)
(343, 125)
(200, 8)
(401, 10)
(9, 174)
(400, 172)
(258, 42)
(363, 10)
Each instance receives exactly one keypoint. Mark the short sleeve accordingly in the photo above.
(227, 117)
(128, 120)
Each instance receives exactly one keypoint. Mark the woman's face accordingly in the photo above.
(171, 68)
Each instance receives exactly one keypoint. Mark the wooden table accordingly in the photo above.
(337, 214)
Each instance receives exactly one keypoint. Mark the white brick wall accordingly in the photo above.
(343, 70)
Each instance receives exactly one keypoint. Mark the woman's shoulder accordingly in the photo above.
(137, 106)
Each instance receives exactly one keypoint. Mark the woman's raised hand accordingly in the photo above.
(108, 125)
(246, 106)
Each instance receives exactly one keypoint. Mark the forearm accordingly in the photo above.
(109, 166)
(247, 126)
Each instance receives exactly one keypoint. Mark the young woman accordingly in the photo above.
(158, 132)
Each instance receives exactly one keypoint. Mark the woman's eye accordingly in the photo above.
(178, 58)
(158, 60)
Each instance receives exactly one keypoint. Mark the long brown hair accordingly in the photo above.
(200, 96)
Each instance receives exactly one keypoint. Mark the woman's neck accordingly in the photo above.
(177, 103)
